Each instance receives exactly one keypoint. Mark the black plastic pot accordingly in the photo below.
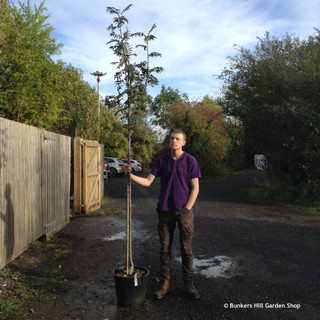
(130, 290)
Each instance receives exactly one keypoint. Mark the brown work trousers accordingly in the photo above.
(166, 226)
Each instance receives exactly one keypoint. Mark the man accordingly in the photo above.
(179, 177)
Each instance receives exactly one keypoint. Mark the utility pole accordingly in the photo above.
(98, 75)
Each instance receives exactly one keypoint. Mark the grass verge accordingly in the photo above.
(31, 274)
(269, 196)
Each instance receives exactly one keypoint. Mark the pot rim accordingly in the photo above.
(147, 271)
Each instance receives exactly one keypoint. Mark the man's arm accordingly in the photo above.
(194, 193)
(145, 182)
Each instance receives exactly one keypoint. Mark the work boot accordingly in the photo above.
(163, 290)
(191, 291)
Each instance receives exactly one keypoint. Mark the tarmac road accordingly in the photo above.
(251, 261)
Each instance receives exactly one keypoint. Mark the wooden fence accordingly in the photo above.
(34, 186)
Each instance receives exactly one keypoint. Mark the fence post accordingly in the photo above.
(77, 188)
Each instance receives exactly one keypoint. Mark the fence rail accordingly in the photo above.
(34, 186)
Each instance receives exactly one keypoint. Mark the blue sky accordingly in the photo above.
(194, 36)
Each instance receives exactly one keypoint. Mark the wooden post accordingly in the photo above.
(77, 193)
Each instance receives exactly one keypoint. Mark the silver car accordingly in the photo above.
(136, 166)
(115, 165)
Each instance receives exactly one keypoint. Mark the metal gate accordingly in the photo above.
(88, 175)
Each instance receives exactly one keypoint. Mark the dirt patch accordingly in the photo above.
(251, 261)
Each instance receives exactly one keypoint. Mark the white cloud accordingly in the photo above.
(194, 37)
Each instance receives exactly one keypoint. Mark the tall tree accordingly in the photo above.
(27, 73)
(274, 91)
(79, 103)
(132, 79)
(33, 88)
(206, 129)
(113, 134)
(159, 105)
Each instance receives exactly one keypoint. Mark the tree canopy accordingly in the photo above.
(132, 78)
(204, 124)
(34, 89)
(274, 91)
(26, 47)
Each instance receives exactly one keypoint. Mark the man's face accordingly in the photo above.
(177, 141)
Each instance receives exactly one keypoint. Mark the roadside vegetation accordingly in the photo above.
(267, 195)
(272, 92)
(269, 105)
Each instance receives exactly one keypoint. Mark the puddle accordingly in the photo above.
(118, 236)
(138, 231)
(218, 266)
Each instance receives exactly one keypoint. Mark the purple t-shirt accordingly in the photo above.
(175, 177)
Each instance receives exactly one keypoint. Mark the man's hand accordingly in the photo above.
(127, 168)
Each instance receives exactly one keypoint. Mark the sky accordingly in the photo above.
(194, 37)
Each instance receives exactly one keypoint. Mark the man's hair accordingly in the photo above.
(181, 132)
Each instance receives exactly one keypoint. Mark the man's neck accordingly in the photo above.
(176, 154)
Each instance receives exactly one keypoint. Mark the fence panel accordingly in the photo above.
(55, 168)
(34, 186)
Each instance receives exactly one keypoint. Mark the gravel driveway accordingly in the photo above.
(251, 261)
